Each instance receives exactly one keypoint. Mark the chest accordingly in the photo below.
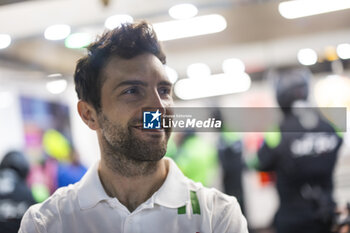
(158, 219)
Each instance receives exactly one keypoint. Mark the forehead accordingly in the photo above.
(144, 66)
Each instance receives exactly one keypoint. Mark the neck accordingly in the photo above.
(133, 190)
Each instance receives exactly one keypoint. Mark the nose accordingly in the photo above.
(156, 102)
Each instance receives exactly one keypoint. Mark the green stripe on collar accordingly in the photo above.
(195, 203)
(181, 210)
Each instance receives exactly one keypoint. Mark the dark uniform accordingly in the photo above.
(303, 159)
(15, 196)
(304, 162)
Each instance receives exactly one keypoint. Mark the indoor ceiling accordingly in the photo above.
(255, 33)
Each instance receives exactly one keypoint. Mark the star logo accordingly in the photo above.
(151, 119)
(156, 115)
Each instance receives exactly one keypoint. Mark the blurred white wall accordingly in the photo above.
(11, 128)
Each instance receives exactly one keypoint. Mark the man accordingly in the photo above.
(303, 154)
(132, 188)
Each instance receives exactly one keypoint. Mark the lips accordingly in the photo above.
(139, 127)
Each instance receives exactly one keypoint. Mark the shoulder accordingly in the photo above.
(223, 211)
(62, 197)
(44, 216)
(216, 201)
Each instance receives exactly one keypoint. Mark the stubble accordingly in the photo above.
(127, 154)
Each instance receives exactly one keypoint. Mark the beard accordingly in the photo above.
(128, 154)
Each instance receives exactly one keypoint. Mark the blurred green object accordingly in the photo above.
(56, 145)
(273, 139)
(40, 192)
(197, 159)
(171, 149)
(337, 130)
(230, 137)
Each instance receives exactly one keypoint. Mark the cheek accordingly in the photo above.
(127, 117)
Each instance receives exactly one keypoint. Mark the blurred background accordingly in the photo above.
(226, 48)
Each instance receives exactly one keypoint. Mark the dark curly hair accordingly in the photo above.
(126, 41)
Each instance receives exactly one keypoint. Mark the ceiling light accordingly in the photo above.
(233, 66)
(215, 85)
(302, 8)
(307, 57)
(57, 32)
(5, 41)
(343, 51)
(56, 86)
(172, 74)
(55, 76)
(198, 70)
(183, 11)
(196, 26)
(117, 20)
(78, 40)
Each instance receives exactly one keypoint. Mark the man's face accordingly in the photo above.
(129, 86)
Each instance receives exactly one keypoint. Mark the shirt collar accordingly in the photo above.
(173, 193)
(90, 189)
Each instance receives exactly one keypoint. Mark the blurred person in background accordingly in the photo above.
(302, 152)
(71, 171)
(132, 188)
(15, 195)
(230, 152)
(196, 158)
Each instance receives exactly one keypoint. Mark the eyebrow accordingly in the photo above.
(139, 83)
(130, 82)
(165, 83)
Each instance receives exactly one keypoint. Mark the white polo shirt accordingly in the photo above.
(180, 205)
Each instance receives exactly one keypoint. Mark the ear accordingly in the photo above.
(88, 114)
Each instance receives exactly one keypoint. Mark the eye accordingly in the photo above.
(132, 90)
(164, 91)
